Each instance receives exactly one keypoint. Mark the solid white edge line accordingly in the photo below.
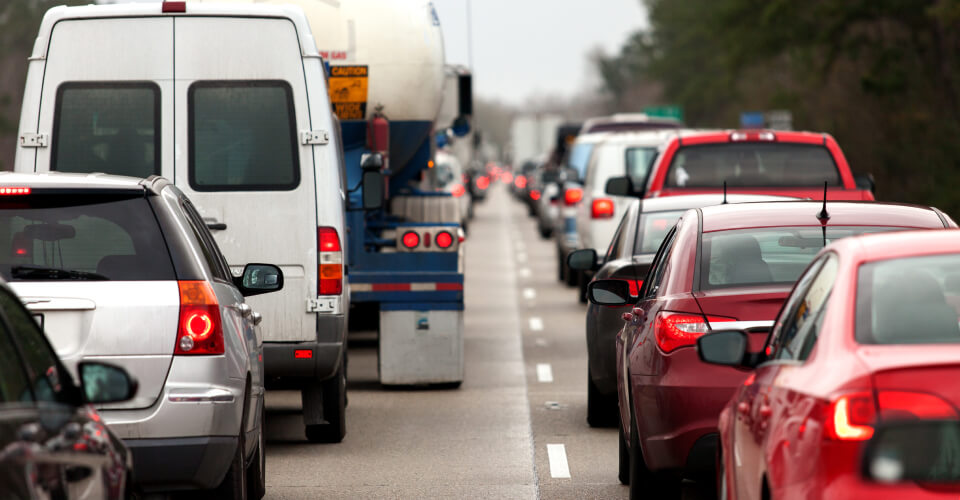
(544, 373)
(536, 324)
(557, 454)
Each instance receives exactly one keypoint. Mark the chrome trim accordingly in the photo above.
(211, 396)
(739, 325)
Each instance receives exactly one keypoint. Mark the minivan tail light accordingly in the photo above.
(602, 208)
(329, 262)
(675, 330)
(572, 196)
(199, 331)
(174, 7)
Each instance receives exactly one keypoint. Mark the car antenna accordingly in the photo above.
(824, 216)
(724, 193)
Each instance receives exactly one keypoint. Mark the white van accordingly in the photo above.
(230, 103)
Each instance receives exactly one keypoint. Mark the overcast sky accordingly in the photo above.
(528, 47)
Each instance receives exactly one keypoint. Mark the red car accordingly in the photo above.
(721, 267)
(754, 162)
(869, 333)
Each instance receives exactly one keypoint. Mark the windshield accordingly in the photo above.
(766, 256)
(752, 165)
(67, 237)
(652, 229)
(909, 301)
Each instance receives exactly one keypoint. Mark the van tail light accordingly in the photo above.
(851, 416)
(572, 196)
(172, 7)
(199, 331)
(602, 208)
(330, 262)
(458, 190)
(534, 195)
(675, 330)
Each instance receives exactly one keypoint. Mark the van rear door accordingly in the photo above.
(240, 104)
(107, 96)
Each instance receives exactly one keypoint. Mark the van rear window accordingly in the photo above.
(242, 136)
(107, 127)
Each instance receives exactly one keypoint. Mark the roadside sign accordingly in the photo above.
(752, 119)
(348, 91)
(675, 112)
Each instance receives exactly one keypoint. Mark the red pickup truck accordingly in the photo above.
(755, 162)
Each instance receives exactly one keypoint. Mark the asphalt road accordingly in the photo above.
(515, 429)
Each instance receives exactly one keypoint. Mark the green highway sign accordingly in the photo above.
(675, 112)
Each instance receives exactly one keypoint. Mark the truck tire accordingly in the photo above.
(324, 408)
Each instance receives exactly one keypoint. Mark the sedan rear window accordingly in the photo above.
(81, 237)
(767, 256)
(752, 165)
(909, 301)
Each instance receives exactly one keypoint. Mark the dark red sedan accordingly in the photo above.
(869, 334)
(721, 267)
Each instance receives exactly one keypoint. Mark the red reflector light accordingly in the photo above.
(520, 181)
(411, 239)
(14, 190)
(483, 182)
(602, 208)
(675, 330)
(534, 194)
(303, 354)
(199, 330)
(444, 239)
(458, 190)
(174, 7)
(572, 196)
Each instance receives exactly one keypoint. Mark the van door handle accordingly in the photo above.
(213, 225)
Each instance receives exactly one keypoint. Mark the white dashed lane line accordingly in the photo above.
(536, 324)
(544, 373)
(525, 272)
(557, 454)
(529, 293)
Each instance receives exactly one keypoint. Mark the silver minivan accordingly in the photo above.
(124, 271)
(230, 103)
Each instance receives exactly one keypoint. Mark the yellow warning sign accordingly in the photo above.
(348, 91)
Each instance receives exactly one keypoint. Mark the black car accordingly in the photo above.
(628, 257)
(53, 444)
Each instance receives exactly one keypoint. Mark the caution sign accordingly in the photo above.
(348, 91)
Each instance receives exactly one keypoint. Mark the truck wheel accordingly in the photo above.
(324, 408)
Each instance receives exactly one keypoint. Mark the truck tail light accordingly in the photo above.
(444, 239)
(329, 262)
(199, 331)
(410, 239)
(458, 190)
(602, 208)
(675, 330)
(572, 196)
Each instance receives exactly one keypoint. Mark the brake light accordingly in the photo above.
(303, 354)
(902, 404)
(329, 262)
(199, 331)
(174, 7)
(444, 239)
(520, 181)
(850, 416)
(483, 182)
(602, 208)
(410, 239)
(507, 177)
(458, 190)
(752, 136)
(675, 330)
(572, 196)
(534, 194)
(14, 190)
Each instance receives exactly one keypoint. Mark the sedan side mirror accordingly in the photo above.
(259, 278)
(103, 383)
(622, 186)
(609, 292)
(727, 348)
(584, 259)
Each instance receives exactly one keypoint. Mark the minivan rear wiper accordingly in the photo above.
(53, 273)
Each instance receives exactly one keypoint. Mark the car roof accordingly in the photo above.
(154, 9)
(689, 138)
(686, 202)
(883, 246)
(64, 180)
(804, 213)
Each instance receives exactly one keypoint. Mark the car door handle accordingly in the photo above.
(214, 224)
(245, 310)
(256, 317)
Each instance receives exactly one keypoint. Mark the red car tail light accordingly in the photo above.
(534, 195)
(520, 181)
(572, 196)
(444, 239)
(507, 178)
(199, 331)
(602, 208)
(850, 417)
(330, 262)
(483, 182)
(675, 330)
(910, 405)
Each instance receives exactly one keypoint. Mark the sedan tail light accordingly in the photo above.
(534, 195)
(199, 331)
(602, 208)
(329, 262)
(850, 417)
(483, 182)
(572, 196)
(674, 330)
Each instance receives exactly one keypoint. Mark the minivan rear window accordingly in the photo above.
(47, 237)
(242, 136)
(752, 164)
(111, 128)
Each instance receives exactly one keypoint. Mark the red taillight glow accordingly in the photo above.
(902, 404)
(849, 418)
(675, 330)
(329, 262)
(174, 7)
(199, 331)
(520, 181)
(410, 239)
(444, 239)
(458, 190)
(483, 182)
(506, 177)
(572, 196)
(303, 354)
(534, 194)
(14, 190)
(602, 208)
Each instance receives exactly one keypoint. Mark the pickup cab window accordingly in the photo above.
(752, 165)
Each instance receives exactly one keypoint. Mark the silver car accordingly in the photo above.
(124, 270)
